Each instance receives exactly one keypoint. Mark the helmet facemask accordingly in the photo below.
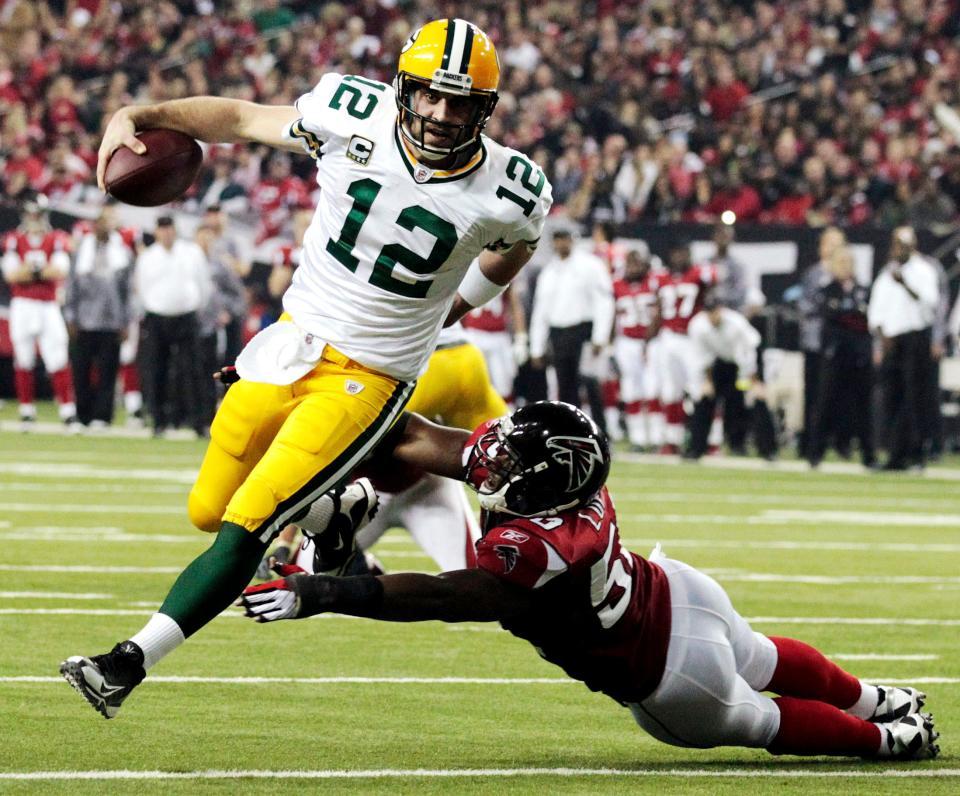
(523, 469)
(465, 136)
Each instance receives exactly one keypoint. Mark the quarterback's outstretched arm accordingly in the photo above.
(210, 119)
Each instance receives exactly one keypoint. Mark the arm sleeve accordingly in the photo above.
(539, 325)
(11, 259)
(875, 306)
(603, 306)
(746, 349)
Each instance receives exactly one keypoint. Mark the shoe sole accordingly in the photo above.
(72, 671)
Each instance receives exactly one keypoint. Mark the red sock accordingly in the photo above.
(675, 414)
(808, 727)
(62, 383)
(804, 672)
(130, 378)
(24, 386)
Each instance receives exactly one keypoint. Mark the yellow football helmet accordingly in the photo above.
(452, 56)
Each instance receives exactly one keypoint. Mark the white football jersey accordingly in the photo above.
(391, 239)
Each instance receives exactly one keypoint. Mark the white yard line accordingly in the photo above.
(85, 508)
(889, 621)
(787, 544)
(833, 580)
(127, 538)
(53, 595)
(646, 497)
(327, 680)
(811, 518)
(84, 568)
(199, 680)
(826, 468)
(125, 489)
(52, 470)
(868, 772)
(872, 656)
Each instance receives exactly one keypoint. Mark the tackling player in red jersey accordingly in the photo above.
(36, 259)
(656, 635)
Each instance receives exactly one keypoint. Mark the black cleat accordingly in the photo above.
(106, 680)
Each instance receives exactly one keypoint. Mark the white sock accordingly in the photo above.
(864, 707)
(159, 637)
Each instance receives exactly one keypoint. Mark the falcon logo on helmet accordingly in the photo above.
(451, 56)
(544, 458)
(580, 455)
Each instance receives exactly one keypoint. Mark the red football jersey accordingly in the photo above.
(635, 302)
(491, 317)
(600, 612)
(273, 200)
(38, 251)
(681, 295)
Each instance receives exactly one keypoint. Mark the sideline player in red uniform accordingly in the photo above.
(656, 635)
(672, 358)
(36, 259)
(635, 297)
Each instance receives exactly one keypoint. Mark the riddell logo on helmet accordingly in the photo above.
(580, 455)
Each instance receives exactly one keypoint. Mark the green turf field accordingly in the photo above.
(93, 530)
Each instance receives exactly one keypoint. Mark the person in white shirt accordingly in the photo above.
(725, 348)
(172, 279)
(573, 306)
(902, 310)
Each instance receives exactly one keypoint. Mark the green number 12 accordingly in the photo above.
(364, 193)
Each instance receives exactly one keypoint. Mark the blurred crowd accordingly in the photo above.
(817, 112)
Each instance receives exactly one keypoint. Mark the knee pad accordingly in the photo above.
(203, 516)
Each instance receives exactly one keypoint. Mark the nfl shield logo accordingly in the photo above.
(354, 387)
(422, 173)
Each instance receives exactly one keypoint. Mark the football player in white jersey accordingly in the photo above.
(411, 195)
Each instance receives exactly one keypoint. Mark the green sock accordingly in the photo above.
(214, 579)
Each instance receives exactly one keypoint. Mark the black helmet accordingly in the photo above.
(542, 459)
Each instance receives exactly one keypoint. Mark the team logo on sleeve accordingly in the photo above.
(509, 554)
(580, 455)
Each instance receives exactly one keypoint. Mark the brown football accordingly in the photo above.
(168, 168)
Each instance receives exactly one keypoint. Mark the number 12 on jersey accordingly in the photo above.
(364, 192)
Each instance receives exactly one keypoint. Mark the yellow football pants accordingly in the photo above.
(274, 450)
(456, 389)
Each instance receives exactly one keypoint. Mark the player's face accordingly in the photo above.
(635, 268)
(33, 222)
(166, 236)
(496, 460)
(106, 223)
(440, 107)
(679, 259)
